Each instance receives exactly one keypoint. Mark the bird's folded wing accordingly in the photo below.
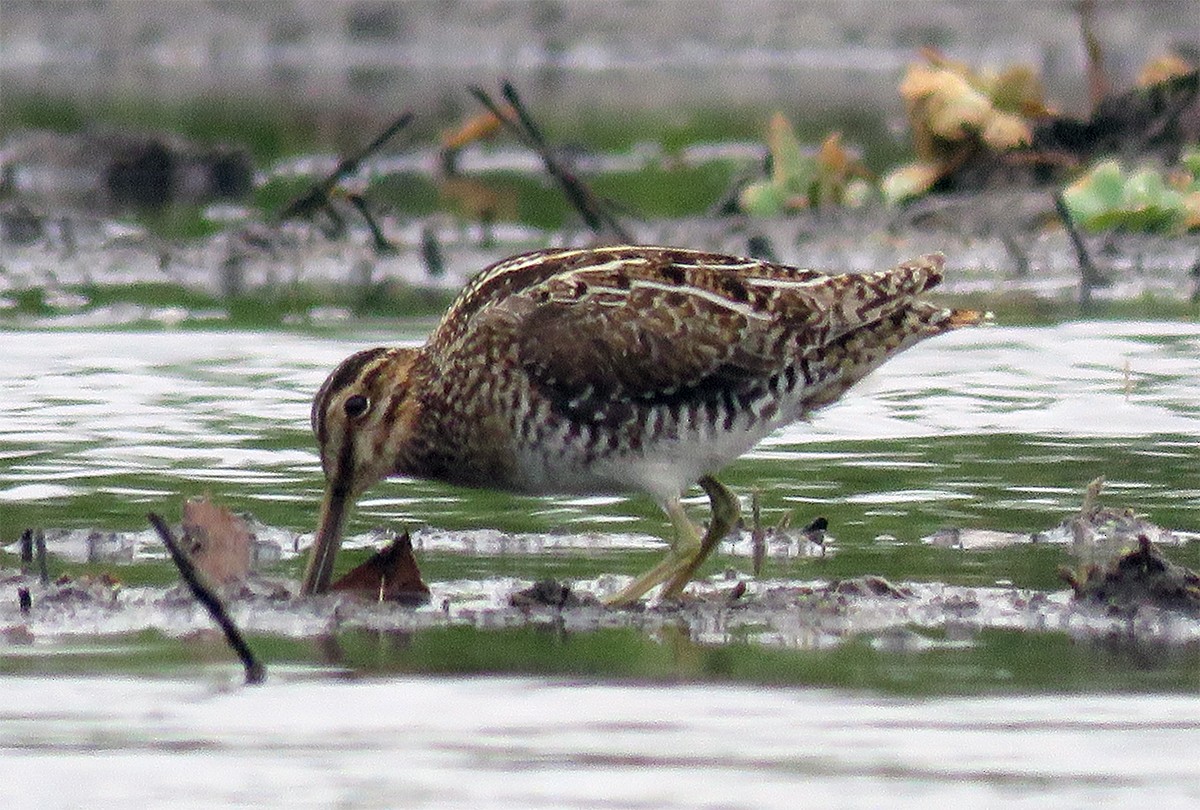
(662, 332)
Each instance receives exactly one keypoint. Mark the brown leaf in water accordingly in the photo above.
(390, 574)
(217, 541)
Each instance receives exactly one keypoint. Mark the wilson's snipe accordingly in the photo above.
(612, 369)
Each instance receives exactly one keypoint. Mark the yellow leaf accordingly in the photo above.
(787, 159)
(919, 82)
(476, 128)
(910, 180)
(1191, 211)
(1161, 68)
(958, 110)
(1017, 89)
(832, 156)
(1006, 131)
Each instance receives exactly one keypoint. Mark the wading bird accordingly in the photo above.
(615, 369)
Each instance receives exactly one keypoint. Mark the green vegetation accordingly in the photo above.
(270, 133)
(282, 306)
(1150, 199)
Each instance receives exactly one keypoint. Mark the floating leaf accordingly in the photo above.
(1106, 198)
(217, 541)
(1096, 192)
(390, 574)
(1146, 189)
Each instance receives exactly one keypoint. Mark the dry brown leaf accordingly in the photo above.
(217, 541)
(390, 574)
(833, 158)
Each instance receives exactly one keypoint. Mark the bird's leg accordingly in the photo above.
(688, 550)
(725, 513)
(685, 545)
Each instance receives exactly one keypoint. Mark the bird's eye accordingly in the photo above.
(356, 405)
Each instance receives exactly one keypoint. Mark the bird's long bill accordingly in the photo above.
(326, 543)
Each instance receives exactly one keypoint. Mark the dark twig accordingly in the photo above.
(317, 197)
(1097, 77)
(758, 535)
(1089, 276)
(1194, 273)
(1015, 252)
(26, 550)
(431, 253)
(594, 211)
(255, 671)
(39, 557)
(378, 240)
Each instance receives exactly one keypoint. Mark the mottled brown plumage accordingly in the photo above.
(612, 369)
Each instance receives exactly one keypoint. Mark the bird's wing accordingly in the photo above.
(658, 324)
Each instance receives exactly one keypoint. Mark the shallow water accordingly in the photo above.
(996, 427)
(985, 685)
(989, 429)
(504, 742)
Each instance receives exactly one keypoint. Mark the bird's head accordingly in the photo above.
(360, 422)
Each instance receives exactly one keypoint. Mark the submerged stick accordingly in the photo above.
(255, 671)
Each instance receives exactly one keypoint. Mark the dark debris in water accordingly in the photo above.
(1120, 570)
(870, 585)
(1140, 576)
(550, 593)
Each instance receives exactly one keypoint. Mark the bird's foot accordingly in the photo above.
(688, 552)
(725, 513)
(678, 558)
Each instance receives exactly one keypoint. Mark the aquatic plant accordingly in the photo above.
(1145, 198)
(801, 179)
(955, 113)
